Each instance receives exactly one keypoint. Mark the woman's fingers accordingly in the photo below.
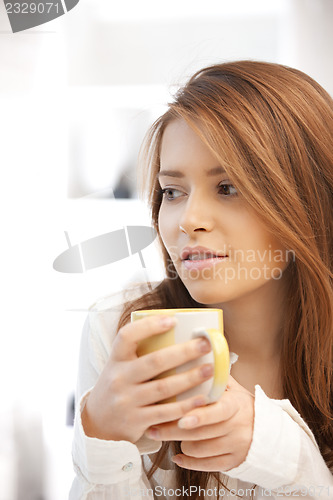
(170, 431)
(167, 412)
(126, 341)
(210, 421)
(234, 399)
(208, 447)
(209, 464)
(165, 388)
(155, 363)
(221, 445)
(220, 411)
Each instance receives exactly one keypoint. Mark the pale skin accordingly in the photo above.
(218, 436)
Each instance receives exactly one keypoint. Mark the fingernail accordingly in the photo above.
(167, 321)
(207, 370)
(188, 422)
(153, 433)
(204, 345)
(177, 459)
(202, 401)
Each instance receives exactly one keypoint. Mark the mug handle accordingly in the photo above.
(221, 360)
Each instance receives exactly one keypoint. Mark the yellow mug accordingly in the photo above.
(190, 324)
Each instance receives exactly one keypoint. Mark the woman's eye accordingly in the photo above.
(171, 194)
(228, 190)
(168, 193)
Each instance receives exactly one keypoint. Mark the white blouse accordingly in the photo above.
(283, 461)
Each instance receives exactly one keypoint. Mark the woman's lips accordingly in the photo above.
(203, 263)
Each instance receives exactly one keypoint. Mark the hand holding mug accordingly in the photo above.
(192, 323)
(121, 406)
(216, 437)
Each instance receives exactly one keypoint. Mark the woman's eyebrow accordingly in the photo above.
(177, 173)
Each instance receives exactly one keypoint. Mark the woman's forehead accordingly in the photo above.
(181, 146)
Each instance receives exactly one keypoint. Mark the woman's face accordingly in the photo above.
(201, 207)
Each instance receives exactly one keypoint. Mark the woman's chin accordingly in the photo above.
(206, 296)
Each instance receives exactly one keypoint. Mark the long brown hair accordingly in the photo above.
(271, 128)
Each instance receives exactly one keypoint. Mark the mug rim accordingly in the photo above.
(179, 310)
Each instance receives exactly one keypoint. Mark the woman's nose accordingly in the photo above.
(197, 216)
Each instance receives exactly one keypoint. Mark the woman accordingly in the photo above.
(241, 167)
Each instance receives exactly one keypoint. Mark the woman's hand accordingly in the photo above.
(216, 437)
(122, 406)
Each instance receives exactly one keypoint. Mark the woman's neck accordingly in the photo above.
(253, 329)
(253, 323)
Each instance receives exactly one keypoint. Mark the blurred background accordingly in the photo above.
(77, 96)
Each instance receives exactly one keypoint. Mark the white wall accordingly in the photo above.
(307, 39)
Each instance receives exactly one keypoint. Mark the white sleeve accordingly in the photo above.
(284, 455)
(104, 469)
